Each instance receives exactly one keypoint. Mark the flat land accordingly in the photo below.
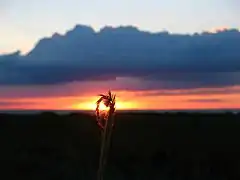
(144, 146)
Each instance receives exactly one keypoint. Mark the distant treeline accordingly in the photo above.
(144, 146)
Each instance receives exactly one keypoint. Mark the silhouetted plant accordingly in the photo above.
(105, 121)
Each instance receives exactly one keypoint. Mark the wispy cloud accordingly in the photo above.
(15, 103)
(207, 100)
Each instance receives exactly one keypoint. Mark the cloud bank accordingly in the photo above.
(153, 60)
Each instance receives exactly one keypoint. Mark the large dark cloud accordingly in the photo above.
(161, 60)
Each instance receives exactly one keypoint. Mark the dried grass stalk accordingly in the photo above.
(106, 123)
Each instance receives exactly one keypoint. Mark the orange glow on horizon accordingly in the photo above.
(91, 105)
(135, 100)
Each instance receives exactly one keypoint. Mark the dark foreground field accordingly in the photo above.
(145, 146)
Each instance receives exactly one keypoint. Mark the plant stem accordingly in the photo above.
(106, 139)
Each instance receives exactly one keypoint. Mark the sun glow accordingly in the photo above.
(102, 107)
(91, 105)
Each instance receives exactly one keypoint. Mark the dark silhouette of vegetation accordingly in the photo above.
(105, 122)
(144, 146)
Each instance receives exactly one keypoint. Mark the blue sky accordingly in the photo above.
(25, 22)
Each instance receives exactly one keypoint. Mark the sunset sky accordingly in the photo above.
(61, 54)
